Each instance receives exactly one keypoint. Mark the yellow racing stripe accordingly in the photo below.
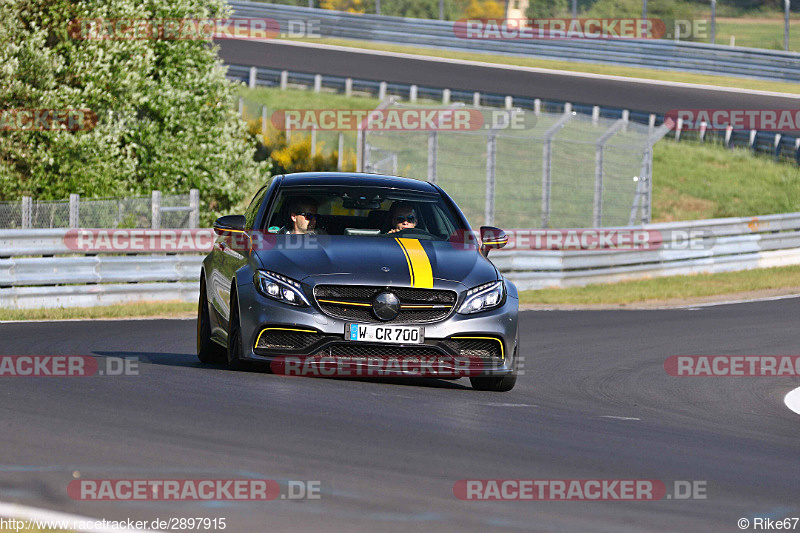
(419, 266)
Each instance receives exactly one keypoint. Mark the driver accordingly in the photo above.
(403, 216)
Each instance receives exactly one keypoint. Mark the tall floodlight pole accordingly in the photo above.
(786, 6)
(713, 21)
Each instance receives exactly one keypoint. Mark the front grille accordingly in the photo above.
(285, 339)
(475, 347)
(375, 350)
(343, 300)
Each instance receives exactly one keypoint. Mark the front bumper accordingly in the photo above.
(322, 335)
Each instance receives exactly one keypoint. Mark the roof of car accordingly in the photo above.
(355, 179)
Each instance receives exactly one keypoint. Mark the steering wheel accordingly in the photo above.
(411, 231)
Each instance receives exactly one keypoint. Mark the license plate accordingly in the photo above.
(387, 334)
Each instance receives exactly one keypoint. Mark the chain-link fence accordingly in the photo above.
(539, 170)
(154, 211)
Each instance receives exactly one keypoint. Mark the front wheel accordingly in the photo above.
(234, 337)
(498, 383)
(208, 351)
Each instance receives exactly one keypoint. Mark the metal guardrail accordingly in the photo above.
(779, 146)
(658, 53)
(79, 280)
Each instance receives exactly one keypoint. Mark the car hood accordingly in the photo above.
(376, 260)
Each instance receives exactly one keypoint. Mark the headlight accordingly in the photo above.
(281, 288)
(484, 297)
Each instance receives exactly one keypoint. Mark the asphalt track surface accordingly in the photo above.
(650, 97)
(388, 453)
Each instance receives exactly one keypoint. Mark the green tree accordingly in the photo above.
(166, 113)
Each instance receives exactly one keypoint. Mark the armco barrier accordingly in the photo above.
(657, 53)
(79, 280)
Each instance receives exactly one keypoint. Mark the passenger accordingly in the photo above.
(303, 216)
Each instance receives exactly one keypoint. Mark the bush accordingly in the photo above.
(166, 117)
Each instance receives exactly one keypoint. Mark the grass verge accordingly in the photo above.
(573, 66)
(747, 283)
(134, 310)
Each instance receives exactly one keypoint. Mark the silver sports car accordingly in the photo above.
(358, 275)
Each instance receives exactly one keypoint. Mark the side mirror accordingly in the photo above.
(492, 239)
(229, 224)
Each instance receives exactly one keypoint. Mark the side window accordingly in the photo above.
(252, 209)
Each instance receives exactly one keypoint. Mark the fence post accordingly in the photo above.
(433, 145)
(252, 81)
(284, 79)
(27, 208)
(546, 163)
(597, 212)
(317, 83)
(74, 210)
(264, 121)
(194, 205)
(340, 160)
(155, 203)
(491, 168)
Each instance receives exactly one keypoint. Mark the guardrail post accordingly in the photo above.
(546, 163)
(412, 94)
(194, 205)
(595, 115)
(27, 211)
(703, 128)
(537, 106)
(433, 145)
(284, 79)
(446, 97)
(74, 210)
(509, 102)
(777, 145)
(382, 91)
(651, 124)
(264, 119)
(728, 133)
(491, 168)
(317, 83)
(797, 150)
(340, 159)
(155, 204)
(476, 99)
(753, 139)
(252, 81)
(360, 150)
(678, 128)
(348, 87)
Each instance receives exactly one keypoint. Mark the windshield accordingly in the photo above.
(362, 211)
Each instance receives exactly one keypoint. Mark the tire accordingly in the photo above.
(498, 383)
(234, 357)
(208, 351)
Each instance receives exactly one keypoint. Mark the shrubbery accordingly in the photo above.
(166, 112)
